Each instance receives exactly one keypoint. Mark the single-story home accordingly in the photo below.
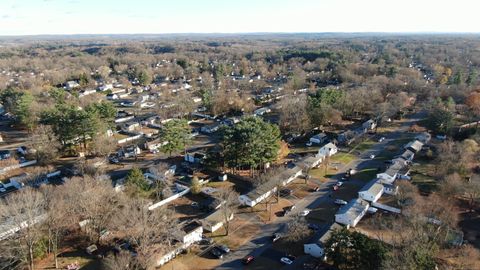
(414, 146)
(372, 191)
(210, 128)
(408, 155)
(316, 249)
(319, 138)
(265, 190)
(215, 220)
(194, 157)
(191, 232)
(424, 137)
(369, 124)
(351, 213)
(328, 149)
(311, 162)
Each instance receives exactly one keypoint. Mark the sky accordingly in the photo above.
(36, 17)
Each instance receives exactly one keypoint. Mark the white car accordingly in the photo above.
(381, 139)
(304, 213)
(372, 156)
(340, 202)
(339, 183)
(286, 260)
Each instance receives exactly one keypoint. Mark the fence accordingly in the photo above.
(169, 199)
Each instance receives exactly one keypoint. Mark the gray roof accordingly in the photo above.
(415, 145)
(267, 186)
(372, 187)
(353, 209)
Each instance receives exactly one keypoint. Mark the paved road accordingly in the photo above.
(262, 241)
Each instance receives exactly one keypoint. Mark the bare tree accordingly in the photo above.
(23, 211)
(103, 145)
(44, 143)
(297, 229)
(148, 231)
(229, 201)
(122, 261)
(293, 114)
(96, 203)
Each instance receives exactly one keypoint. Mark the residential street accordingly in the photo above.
(262, 241)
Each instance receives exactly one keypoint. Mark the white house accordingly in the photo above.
(372, 191)
(414, 146)
(215, 221)
(112, 96)
(265, 190)
(424, 137)
(190, 233)
(311, 162)
(105, 87)
(369, 124)
(71, 85)
(352, 213)
(328, 149)
(319, 138)
(194, 157)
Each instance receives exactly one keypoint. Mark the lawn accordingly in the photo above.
(365, 145)
(366, 174)
(421, 174)
(343, 158)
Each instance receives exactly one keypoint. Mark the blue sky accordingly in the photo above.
(33, 17)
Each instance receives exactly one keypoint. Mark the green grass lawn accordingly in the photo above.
(344, 158)
(365, 145)
(422, 176)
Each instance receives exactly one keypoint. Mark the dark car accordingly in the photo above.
(206, 241)
(223, 248)
(276, 237)
(290, 257)
(248, 259)
(216, 253)
(314, 227)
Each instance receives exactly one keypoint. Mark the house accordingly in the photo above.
(266, 189)
(130, 151)
(369, 124)
(261, 111)
(105, 87)
(131, 126)
(311, 162)
(316, 249)
(423, 137)
(347, 137)
(71, 85)
(319, 138)
(372, 191)
(195, 157)
(414, 146)
(351, 213)
(86, 92)
(215, 220)
(210, 128)
(112, 96)
(328, 150)
(189, 234)
(390, 189)
(408, 156)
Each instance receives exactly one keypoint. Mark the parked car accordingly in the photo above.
(339, 183)
(340, 202)
(276, 237)
(381, 139)
(286, 260)
(216, 253)
(290, 257)
(304, 213)
(313, 227)
(290, 208)
(206, 241)
(223, 248)
(248, 259)
(372, 156)
(315, 189)
(335, 188)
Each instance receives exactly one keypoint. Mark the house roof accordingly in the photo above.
(415, 145)
(354, 208)
(267, 186)
(309, 161)
(373, 187)
(329, 145)
(215, 217)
